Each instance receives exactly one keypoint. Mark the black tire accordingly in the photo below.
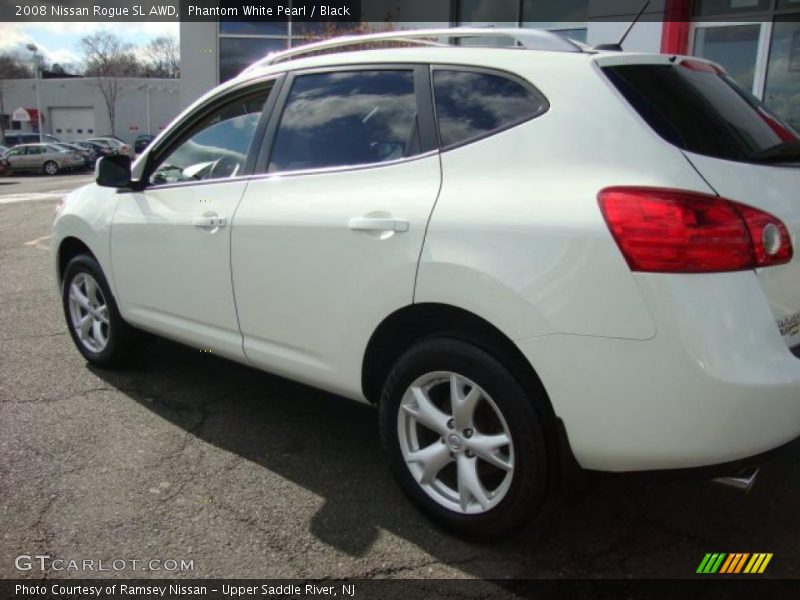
(121, 336)
(50, 167)
(527, 426)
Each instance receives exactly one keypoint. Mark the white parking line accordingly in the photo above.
(33, 196)
(37, 240)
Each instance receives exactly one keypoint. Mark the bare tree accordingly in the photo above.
(333, 29)
(108, 59)
(163, 57)
(12, 66)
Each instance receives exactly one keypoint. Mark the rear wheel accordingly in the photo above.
(51, 167)
(464, 441)
(94, 322)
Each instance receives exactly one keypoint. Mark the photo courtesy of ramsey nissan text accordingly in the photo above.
(379, 298)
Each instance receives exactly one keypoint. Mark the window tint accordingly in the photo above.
(346, 118)
(473, 104)
(702, 111)
(217, 145)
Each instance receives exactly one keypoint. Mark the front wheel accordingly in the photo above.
(464, 441)
(97, 329)
(51, 167)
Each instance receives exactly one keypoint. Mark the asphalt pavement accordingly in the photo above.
(184, 456)
(36, 187)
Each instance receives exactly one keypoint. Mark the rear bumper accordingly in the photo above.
(717, 383)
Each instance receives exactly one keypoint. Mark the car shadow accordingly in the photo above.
(607, 527)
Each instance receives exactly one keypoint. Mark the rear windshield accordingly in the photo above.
(700, 110)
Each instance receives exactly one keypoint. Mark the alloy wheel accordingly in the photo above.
(456, 442)
(88, 312)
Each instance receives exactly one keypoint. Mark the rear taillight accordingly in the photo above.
(674, 231)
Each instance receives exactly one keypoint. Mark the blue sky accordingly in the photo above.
(60, 42)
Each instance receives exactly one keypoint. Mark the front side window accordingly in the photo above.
(472, 104)
(346, 119)
(216, 147)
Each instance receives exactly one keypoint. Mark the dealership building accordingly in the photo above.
(757, 41)
(73, 108)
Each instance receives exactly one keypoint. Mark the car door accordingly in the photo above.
(33, 157)
(16, 156)
(327, 239)
(170, 236)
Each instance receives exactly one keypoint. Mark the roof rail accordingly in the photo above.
(529, 39)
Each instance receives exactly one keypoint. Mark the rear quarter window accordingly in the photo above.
(473, 104)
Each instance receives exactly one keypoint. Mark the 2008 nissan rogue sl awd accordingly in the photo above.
(515, 252)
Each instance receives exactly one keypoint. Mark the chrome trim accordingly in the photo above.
(743, 481)
(262, 175)
(344, 168)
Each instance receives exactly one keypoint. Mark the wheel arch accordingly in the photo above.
(69, 248)
(400, 330)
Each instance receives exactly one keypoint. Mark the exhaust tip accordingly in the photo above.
(743, 481)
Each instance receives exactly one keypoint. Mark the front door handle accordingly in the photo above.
(378, 224)
(209, 222)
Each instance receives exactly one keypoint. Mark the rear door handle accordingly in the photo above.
(376, 224)
(209, 222)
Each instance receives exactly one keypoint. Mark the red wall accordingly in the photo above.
(675, 31)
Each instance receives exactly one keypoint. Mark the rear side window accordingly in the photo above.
(347, 118)
(702, 111)
(474, 104)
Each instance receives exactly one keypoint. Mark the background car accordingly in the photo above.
(46, 158)
(88, 154)
(16, 138)
(142, 141)
(100, 149)
(117, 145)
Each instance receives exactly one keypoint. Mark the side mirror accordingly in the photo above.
(113, 171)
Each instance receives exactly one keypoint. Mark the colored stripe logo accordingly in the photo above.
(734, 563)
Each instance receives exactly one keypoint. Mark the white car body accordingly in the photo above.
(645, 370)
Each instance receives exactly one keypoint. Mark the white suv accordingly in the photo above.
(517, 255)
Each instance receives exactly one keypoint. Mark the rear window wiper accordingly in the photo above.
(783, 152)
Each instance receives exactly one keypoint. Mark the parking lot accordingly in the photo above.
(186, 456)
